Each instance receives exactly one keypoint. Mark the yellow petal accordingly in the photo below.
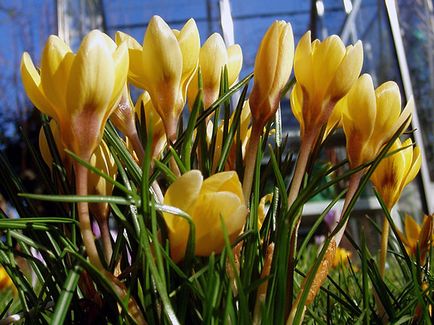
(212, 208)
(235, 62)
(358, 119)
(296, 99)
(224, 182)
(182, 193)
(120, 60)
(327, 57)
(213, 57)
(56, 63)
(388, 100)
(32, 85)
(415, 165)
(303, 67)
(348, 71)
(135, 58)
(412, 230)
(44, 147)
(92, 75)
(189, 43)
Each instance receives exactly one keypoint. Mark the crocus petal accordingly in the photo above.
(348, 71)
(92, 75)
(326, 60)
(224, 182)
(412, 230)
(56, 63)
(213, 57)
(235, 62)
(303, 67)
(212, 209)
(182, 194)
(189, 43)
(32, 85)
(135, 58)
(120, 60)
(415, 166)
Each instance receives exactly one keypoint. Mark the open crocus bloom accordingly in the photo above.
(208, 202)
(325, 72)
(371, 118)
(394, 172)
(164, 66)
(214, 56)
(80, 90)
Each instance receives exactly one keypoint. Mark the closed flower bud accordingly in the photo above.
(164, 67)
(214, 56)
(371, 118)
(325, 72)
(208, 202)
(396, 171)
(123, 116)
(80, 90)
(273, 67)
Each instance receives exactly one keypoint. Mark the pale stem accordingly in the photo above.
(250, 160)
(106, 240)
(300, 167)
(300, 170)
(352, 188)
(383, 247)
(138, 148)
(81, 176)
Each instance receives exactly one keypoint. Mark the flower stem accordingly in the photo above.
(250, 160)
(300, 170)
(383, 247)
(81, 179)
(106, 240)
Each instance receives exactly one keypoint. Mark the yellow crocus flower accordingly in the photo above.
(5, 280)
(341, 257)
(273, 66)
(325, 72)
(396, 171)
(371, 117)
(80, 90)
(417, 237)
(152, 119)
(208, 202)
(214, 56)
(164, 66)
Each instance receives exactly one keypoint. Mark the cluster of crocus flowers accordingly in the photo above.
(213, 58)
(210, 202)
(164, 67)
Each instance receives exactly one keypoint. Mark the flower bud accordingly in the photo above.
(212, 59)
(273, 67)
